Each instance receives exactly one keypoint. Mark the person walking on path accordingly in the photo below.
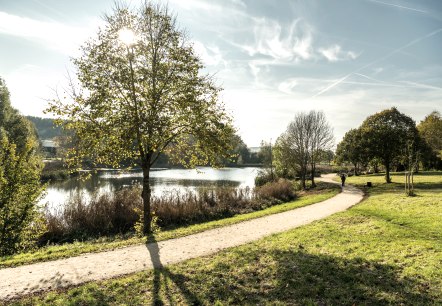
(343, 179)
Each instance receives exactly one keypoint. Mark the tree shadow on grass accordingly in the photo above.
(290, 277)
(331, 280)
(173, 283)
(427, 186)
(399, 188)
(307, 279)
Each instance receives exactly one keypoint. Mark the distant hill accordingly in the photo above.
(46, 128)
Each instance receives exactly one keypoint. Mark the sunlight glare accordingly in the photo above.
(127, 36)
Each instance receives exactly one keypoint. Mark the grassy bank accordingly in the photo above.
(107, 243)
(385, 250)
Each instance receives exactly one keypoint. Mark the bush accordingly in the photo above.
(282, 190)
(177, 208)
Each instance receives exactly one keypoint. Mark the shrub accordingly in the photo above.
(282, 190)
(176, 208)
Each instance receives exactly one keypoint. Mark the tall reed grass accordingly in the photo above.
(118, 212)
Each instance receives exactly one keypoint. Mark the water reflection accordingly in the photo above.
(161, 181)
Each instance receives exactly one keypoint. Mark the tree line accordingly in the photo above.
(392, 140)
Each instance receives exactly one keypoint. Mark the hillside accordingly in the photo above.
(46, 128)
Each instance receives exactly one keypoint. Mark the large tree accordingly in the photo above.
(387, 135)
(430, 130)
(142, 93)
(20, 187)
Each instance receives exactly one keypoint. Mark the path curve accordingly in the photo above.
(97, 266)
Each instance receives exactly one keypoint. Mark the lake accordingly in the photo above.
(161, 181)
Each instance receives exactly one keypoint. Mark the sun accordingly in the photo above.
(127, 36)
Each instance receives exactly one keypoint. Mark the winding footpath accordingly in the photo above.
(31, 278)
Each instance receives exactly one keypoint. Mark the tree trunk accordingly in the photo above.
(313, 175)
(387, 172)
(303, 170)
(146, 193)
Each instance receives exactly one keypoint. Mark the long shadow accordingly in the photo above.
(415, 230)
(325, 279)
(427, 186)
(162, 275)
(254, 276)
(300, 278)
(399, 188)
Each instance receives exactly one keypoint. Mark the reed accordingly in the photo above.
(117, 212)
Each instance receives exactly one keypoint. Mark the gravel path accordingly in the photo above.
(96, 266)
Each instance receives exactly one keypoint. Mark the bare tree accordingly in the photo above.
(300, 145)
(321, 139)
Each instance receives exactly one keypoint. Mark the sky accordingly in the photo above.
(274, 59)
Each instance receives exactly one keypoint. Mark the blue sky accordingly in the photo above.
(350, 58)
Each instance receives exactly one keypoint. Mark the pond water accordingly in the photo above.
(161, 181)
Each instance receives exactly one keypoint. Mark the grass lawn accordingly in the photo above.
(385, 250)
(77, 248)
(424, 179)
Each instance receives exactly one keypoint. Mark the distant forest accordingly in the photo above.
(242, 155)
(46, 128)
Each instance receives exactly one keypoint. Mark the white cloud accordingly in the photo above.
(288, 85)
(208, 5)
(54, 35)
(271, 39)
(335, 53)
(345, 107)
(210, 55)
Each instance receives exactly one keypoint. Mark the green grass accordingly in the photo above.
(424, 178)
(385, 250)
(108, 243)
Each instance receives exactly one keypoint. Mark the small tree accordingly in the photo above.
(351, 149)
(286, 162)
(301, 144)
(142, 93)
(412, 155)
(321, 139)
